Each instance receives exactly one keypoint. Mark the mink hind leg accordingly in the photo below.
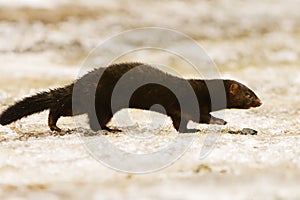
(56, 112)
(100, 120)
(52, 120)
(180, 124)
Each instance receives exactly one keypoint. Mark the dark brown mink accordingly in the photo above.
(104, 91)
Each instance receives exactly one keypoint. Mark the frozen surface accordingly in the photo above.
(44, 43)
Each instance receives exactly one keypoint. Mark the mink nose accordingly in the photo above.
(258, 102)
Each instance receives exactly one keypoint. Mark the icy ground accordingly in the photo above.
(42, 45)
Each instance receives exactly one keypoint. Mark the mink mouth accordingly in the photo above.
(257, 103)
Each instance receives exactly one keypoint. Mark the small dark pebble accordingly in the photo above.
(249, 131)
(244, 131)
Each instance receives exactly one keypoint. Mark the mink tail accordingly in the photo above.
(27, 106)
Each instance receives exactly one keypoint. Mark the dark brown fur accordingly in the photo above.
(90, 91)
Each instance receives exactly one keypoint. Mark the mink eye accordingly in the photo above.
(248, 96)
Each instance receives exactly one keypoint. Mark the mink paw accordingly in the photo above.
(114, 130)
(217, 121)
(186, 130)
(55, 128)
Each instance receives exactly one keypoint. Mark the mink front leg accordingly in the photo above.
(180, 123)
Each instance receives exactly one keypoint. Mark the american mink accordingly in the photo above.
(96, 88)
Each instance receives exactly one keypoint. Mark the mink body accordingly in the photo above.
(95, 96)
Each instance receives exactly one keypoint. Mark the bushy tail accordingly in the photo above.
(27, 106)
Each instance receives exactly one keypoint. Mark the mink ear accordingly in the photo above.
(233, 88)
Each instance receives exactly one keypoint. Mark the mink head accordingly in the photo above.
(240, 96)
